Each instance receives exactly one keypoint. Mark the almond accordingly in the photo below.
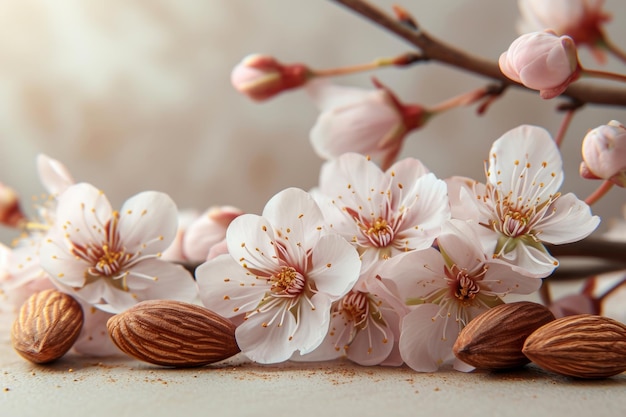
(47, 326)
(494, 339)
(582, 346)
(173, 333)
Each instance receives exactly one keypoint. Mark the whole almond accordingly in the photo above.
(582, 346)
(173, 333)
(494, 339)
(47, 326)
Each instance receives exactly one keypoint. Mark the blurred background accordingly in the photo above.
(134, 95)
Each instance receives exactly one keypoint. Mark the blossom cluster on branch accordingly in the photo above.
(382, 262)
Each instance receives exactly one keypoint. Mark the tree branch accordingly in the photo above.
(436, 50)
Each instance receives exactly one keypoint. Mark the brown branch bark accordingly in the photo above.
(435, 50)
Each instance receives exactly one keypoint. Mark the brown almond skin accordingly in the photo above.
(173, 333)
(47, 326)
(581, 346)
(494, 339)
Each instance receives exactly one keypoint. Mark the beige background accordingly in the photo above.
(135, 95)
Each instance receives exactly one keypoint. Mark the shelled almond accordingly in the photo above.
(494, 339)
(173, 333)
(47, 326)
(582, 346)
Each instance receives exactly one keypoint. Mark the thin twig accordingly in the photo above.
(436, 50)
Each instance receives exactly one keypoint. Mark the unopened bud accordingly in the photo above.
(542, 61)
(10, 210)
(369, 122)
(207, 231)
(261, 77)
(604, 153)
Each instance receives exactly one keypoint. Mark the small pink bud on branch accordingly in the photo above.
(542, 61)
(261, 77)
(11, 214)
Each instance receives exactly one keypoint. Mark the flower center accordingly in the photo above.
(355, 308)
(107, 258)
(109, 262)
(518, 216)
(466, 289)
(463, 285)
(288, 282)
(378, 232)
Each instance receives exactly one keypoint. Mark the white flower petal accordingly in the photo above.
(526, 158)
(353, 180)
(154, 279)
(54, 176)
(250, 240)
(571, 221)
(416, 274)
(296, 219)
(371, 346)
(312, 323)
(427, 338)
(62, 266)
(460, 242)
(148, 222)
(82, 214)
(335, 266)
(265, 343)
(502, 278)
(535, 262)
(226, 288)
(427, 208)
(94, 338)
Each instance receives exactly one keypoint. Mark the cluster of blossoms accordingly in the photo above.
(382, 262)
(384, 267)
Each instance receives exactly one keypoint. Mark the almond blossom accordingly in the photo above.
(283, 271)
(23, 274)
(365, 323)
(382, 213)
(108, 258)
(448, 287)
(521, 207)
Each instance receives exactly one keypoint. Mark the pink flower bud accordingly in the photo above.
(604, 153)
(542, 61)
(369, 122)
(10, 211)
(207, 231)
(261, 77)
(581, 20)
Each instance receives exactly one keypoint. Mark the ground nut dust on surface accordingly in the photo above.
(121, 386)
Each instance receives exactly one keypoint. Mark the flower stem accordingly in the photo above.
(464, 99)
(435, 50)
(399, 61)
(599, 192)
(603, 74)
(567, 119)
(612, 48)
